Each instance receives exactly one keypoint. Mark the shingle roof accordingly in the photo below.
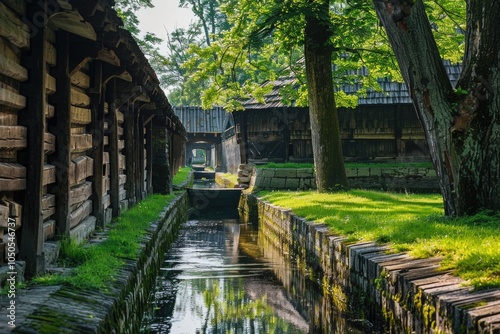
(392, 92)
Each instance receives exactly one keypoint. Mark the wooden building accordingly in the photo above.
(383, 125)
(85, 129)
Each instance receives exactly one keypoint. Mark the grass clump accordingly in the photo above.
(412, 223)
(94, 266)
(181, 176)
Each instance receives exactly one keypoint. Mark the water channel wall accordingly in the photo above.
(364, 281)
(119, 309)
(416, 179)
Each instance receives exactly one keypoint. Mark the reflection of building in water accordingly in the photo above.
(210, 285)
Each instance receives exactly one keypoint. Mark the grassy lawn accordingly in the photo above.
(94, 266)
(409, 223)
(181, 176)
(352, 165)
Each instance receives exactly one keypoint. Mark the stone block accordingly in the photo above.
(267, 172)
(278, 183)
(305, 172)
(292, 183)
(285, 172)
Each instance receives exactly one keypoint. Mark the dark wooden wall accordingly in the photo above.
(367, 132)
(78, 101)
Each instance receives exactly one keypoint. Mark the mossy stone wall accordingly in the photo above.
(363, 280)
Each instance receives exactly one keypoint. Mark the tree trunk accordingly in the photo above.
(462, 130)
(325, 134)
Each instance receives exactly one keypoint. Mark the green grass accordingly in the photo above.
(352, 165)
(412, 223)
(181, 176)
(94, 266)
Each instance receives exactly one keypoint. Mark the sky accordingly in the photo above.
(165, 16)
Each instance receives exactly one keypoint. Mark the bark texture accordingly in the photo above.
(463, 130)
(325, 134)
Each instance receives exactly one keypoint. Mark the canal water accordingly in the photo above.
(218, 278)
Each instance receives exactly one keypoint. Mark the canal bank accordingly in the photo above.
(65, 309)
(391, 291)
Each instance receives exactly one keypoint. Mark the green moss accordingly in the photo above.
(412, 223)
(95, 266)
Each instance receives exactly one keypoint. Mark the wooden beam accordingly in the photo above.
(13, 29)
(31, 249)
(97, 151)
(129, 127)
(63, 133)
(149, 157)
(113, 149)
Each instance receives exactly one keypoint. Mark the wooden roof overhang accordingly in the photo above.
(102, 38)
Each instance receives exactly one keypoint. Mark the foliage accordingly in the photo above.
(181, 176)
(265, 41)
(407, 223)
(94, 266)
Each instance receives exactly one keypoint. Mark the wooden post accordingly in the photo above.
(63, 134)
(32, 241)
(129, 153)
(114, 191)
(139, 187)
(149, 158)
(97, 130)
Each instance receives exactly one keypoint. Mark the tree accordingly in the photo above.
(462, 125)
(325, 133)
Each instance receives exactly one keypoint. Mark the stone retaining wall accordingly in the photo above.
(392, 179)
(119, 309)
(406, 295)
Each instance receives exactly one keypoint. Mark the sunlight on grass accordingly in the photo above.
(181, 176)
(94, 266)
(412, 223)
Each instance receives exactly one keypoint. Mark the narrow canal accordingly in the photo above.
(218, 278)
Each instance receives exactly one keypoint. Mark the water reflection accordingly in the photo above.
(215, 280)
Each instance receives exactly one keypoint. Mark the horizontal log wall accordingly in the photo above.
(74, 149)
(14, 35)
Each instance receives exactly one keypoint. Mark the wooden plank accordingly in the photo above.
(10, 68)
(50, 84)
(80, 115)
(121, 162)
(49, 174)
(81, 80)
(80, 169)
(51, 54)
(48, 205)
(48, 202)
(12, 170)
(80, 193)
(122, 179)
(79, 99)
(49, 111)
(12, 99)
(14, 207)
(120, 118)
(4, 216)
(12, 28)
(80, 213)
(13, 137)
(12, 184)
(106, 201)
(81, 143)
(49, 143)
(105, 158)
(49, 229)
